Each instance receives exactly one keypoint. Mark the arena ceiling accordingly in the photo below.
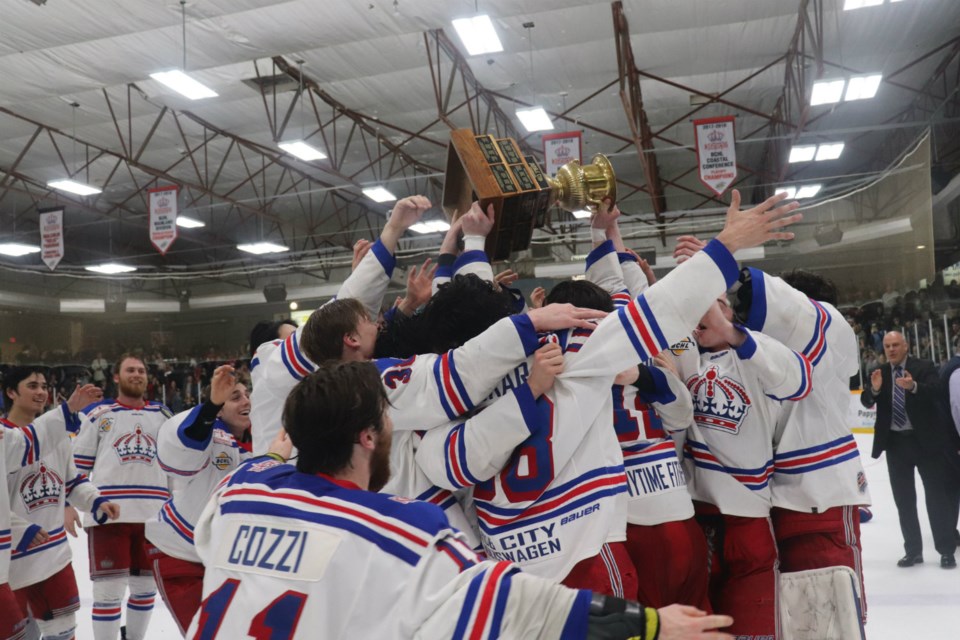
(384, 83)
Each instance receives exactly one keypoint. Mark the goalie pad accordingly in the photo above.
(820, 604)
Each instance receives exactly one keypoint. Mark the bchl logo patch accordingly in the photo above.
(136, 447)
(105, 424)
(684, 345)
(222, 461)
(40, 489)
(719, 403)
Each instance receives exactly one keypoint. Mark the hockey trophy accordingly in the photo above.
(493, 171)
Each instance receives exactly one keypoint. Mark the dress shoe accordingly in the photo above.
(947, 561)
(909, 561)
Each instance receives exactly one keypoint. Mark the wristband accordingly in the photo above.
(598, 235)
(651, 624)
(473, 243)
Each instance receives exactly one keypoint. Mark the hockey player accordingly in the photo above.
(19, 447)
(288, 549)
(197, 449)
(117, 446)
(40, 573)
(818, 480)
(537, 510)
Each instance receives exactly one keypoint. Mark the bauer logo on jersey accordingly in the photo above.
(105, 424)
(222, 461)
(287, 551)
(136, 447)
(719, 402)
(40, 489)
(684, 345)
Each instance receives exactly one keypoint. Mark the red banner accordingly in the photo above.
(163, 217)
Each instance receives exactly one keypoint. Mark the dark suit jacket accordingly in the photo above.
(924, 408)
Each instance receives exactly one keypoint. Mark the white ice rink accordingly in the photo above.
(919, 603)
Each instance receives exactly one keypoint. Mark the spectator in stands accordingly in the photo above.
(890, 296)
(100, 368)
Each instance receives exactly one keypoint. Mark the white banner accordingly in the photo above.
(51, 237)
(559, 149)
(163, 217)
(716, 155)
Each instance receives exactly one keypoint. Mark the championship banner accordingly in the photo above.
(51, 237)
(716, 155)
(163, 217)
(561, 148)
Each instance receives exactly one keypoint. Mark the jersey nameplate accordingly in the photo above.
(289, 552)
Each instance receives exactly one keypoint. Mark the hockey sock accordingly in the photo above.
(143, 591)
(60, 628)
(32, 630)
(107, 594)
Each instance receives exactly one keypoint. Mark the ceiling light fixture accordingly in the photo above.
(829, 151)
(808, 191)
(71, 186)
(261, 248)
(533, 118)
(177, 79)
(189, 223)
(302, 150)
(790, 191)
(827, 92)
(850, 5)
(863, 87)
(430, 226)
(379, 194)
(17, 249)
(111, 268)
(478, 35)
(803, 153)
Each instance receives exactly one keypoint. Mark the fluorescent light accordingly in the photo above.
(804, 153)
(921, 246)
(83, 305)
(302, 150)
(111, 268)
(260, 248)
(478, 35)
(73, 187)
(829, 151)
(153, 306)
(790, 191)
(581, 214)
(808, 191)
(184, 84)
(16, 249)
(850, 5)
(379, 194)
(535, 119)
(189, 223)
(430, 226)
(827, 92)
(863, 87)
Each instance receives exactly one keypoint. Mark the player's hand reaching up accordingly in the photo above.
(681, 622)
(408, 210)
(476, 222)
(762, 223)
(554, 317)
(360, 248)
(686, 247)
(547, 365)
(83, 397)
(505, 278)
(419, 283)
(537, 296)
(222, 384)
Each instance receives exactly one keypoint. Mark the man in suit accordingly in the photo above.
(911, 428)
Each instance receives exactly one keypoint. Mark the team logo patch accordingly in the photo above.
(684, 345)
(40, 489)
(266, 464)
(401, 499)
(861, 481)
(105, 424)
(222, 461)
(719, 403)
(136, 447)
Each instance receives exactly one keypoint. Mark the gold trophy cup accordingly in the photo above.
(491, 170)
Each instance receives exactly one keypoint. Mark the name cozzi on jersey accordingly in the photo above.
(276, 551)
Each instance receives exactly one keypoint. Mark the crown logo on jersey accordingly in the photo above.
(719, 402)
(136, 447)
(715, 136)
(41, 488)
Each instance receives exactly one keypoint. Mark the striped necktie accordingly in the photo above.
(899, 400)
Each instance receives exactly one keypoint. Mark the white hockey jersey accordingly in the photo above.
(19, 448)
(737, 402)
(195, 467)
(38, 492)
(299, 556)
(816, 462)
(562, 493)
(117, 448)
